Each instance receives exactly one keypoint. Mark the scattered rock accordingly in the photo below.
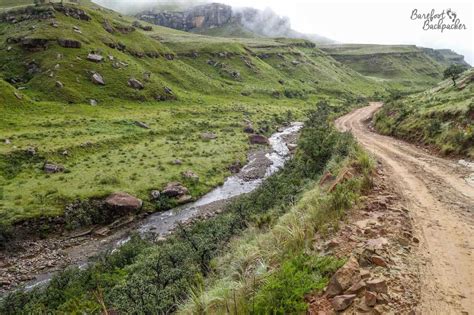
(370, 298)
(134, 83)
(53, 168)
(258, 139)
(94, 57)
(190, 175)
(155, 195)
(175, 189)
(379, 261)
(141, 124)
(356, 287)
(69, 43)
(177, 162)
(59, 84)
(123, 201)
(249, 128)
(93, 102)
(208, 136)
(344, 278)
(377, 285)
(235, 167)
(31, 151)
(97, 79)
(341, 302)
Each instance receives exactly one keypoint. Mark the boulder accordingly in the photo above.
(378, 285)
(95, 57)
(134, 83)
(123, 201)
(141, 125)
(97, 79)
(175, 189)
(341, 302)
(53, 168)
(69, 43)
(258, 139)
(344, 278)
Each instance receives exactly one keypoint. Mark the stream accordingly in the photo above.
(262, 163)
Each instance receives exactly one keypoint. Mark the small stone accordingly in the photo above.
(377, 285)
(53, 168)
(356, 287)
(134, 83)
(190, 175)
(341, 302)
(94, 57)
(379, 261)
(370, 298)
(177, 162)
(7, 141)
(249, 129)
(93, 102)
(59, 84)
(155, 194)
(31, 151)
(98, 79)
(344, 278)
(208, 136)
(141, 125)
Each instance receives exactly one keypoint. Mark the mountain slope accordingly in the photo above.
(441, 117)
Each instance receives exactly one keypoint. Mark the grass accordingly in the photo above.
(441, 117)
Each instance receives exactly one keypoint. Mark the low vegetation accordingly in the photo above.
(146, 277)
(441, 118)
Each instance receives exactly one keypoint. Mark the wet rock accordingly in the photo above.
(94, 57)
(175, 189)
(346, 276)
(69, 43)
(378, 285)
(379, 261)
(258, 139)
(141, 125)
(134, 83)
(123, 201)
(208, 136)
(341, 302)
(97, 79)
(155, 195)
(190, 175)
(53, 168)
(370, 298)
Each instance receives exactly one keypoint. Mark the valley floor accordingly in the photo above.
(441, 204)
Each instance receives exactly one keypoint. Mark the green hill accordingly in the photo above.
(441, 117)
(404, 67)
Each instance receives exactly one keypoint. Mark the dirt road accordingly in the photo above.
(441, 203)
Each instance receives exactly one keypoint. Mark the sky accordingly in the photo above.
(374, 22)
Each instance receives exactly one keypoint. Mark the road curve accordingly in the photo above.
(441, 203)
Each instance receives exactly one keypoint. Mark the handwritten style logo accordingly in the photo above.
(444, 20)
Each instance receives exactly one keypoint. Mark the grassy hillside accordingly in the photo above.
(398, 66)
(192, 84)
(441, 117)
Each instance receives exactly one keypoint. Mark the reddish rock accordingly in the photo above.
(344, 278)
(341, 302)
(370, 298)
(123, 201)
(377, 285)
(379, 261)
(356, 287)
(258, 139)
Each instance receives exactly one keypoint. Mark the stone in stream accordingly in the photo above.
(258, 139)
(123, 201)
